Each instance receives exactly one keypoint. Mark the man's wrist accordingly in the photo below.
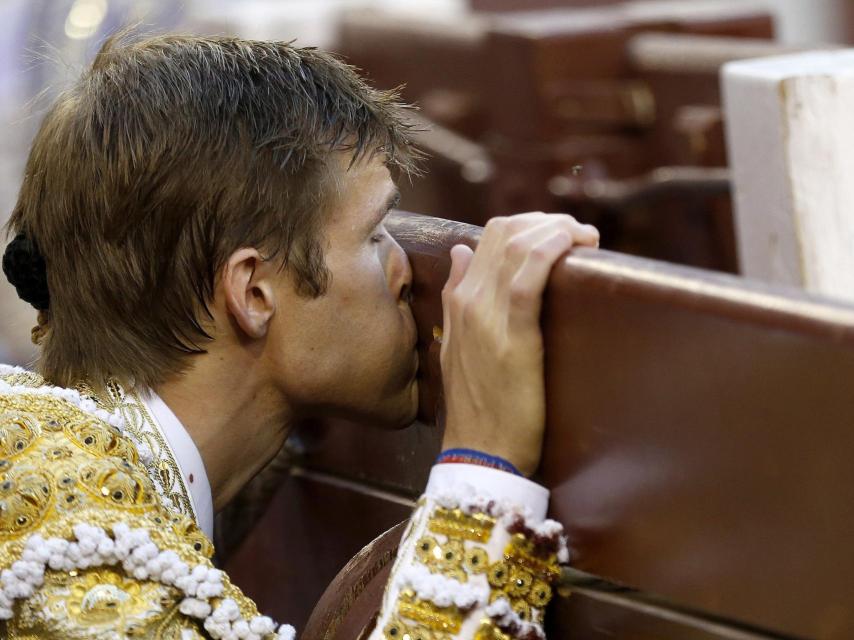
(473, 456)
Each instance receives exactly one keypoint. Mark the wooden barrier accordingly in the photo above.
(698, 450)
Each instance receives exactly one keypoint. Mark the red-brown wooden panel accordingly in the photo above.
(700, 440)
(592, 615)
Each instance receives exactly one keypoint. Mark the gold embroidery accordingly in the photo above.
(522, 609)
(519, 583)
(498, 574)
(26, 495)
(106, 597)
(488, 630)
(452, 559)
(55, 480)
(476, 560)
(186, 528)
(446, 619)
(406, 545)
(98, 603)
(118, 483)
(428, 550)
(140, 427)
(450, 556)
(454, 523)
(540, 594)
(17, 433)
(521, 553)
(23, 379)
(92, 435)
(522, 576)
(446, 559)
(396, 629)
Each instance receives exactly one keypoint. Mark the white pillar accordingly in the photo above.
(790, 134)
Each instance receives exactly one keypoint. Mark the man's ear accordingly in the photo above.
(247, 284)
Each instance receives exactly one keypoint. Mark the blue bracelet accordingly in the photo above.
(472, 456)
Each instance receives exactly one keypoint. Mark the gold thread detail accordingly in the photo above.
(141, 427)
(454, 523)
(446, 619)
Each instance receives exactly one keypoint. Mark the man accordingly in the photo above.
(201, 229)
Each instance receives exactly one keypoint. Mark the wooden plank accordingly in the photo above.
(789, 132)
(700, 440)
(589, 614)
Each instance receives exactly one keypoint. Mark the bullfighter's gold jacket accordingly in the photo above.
(95, 542)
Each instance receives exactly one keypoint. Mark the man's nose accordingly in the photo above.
(406, 293)
(405, 290)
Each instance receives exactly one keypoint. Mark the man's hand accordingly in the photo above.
(492, 345)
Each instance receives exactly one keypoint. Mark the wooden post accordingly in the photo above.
(790, 129)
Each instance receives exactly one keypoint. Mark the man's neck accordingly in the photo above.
(236, 423)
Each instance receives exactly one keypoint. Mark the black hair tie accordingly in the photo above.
(25, 268)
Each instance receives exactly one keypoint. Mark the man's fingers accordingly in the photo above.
(585, 234)
(461, 256)
(513, 260)
(526, 289)
(519, 245)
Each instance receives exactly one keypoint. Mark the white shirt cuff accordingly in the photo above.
(492, 482)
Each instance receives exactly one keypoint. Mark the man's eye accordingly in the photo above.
(377, 237)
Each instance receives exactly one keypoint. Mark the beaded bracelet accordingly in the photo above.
(472, 456)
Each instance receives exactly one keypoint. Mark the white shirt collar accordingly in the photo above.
(188, 458)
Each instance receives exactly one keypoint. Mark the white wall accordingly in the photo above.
(810, 21)
(310, 22)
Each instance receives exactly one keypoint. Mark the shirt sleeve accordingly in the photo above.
(477, 561)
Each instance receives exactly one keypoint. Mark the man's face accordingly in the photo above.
(351, 352)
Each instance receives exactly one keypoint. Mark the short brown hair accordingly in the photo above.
(169, 154)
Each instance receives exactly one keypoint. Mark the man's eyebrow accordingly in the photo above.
(391, 202)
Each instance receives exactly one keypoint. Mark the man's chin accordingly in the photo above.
(406, 411)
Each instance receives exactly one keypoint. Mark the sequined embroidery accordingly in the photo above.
(488, 630)
(522, 575)
(454, 523)
(59, 467)
(435, 618)
(140, 426)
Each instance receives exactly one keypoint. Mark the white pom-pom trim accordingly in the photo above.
(87, 405)
(502, 613)
(134, 551)
(469, 500)
(69, 395)
(441, 590)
